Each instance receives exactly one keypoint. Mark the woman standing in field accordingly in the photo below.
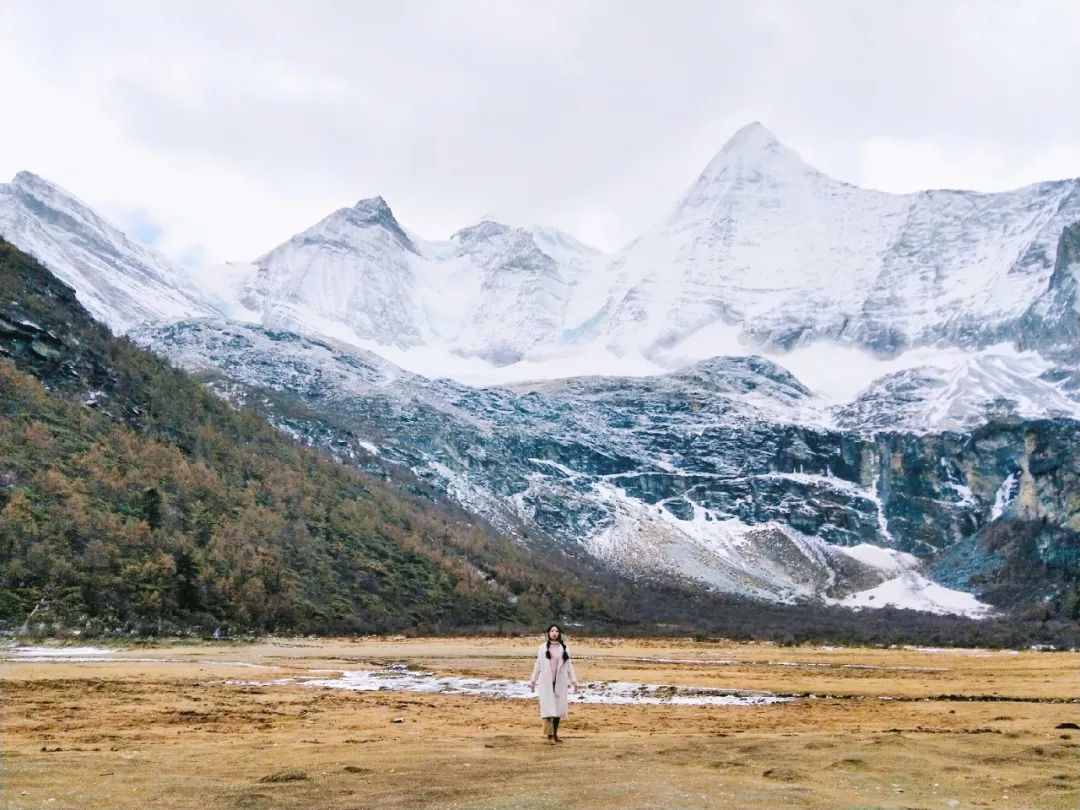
(555, 674)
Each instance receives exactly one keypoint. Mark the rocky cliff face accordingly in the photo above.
(714, 474)
(1052, 324)
(1026, 548)
(39, 334)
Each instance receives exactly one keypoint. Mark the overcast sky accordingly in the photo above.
(216, 130)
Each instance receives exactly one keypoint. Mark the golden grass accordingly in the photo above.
(960, 729)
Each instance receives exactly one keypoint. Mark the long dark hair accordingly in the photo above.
(547, 643)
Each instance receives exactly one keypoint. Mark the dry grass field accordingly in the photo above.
(184, 726)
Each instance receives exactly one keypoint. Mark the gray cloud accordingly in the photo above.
(590, 116)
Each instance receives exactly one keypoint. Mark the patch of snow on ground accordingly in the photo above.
(54, 652)
(914, 591)
(720, 552)
(884, 559)
(401, 678)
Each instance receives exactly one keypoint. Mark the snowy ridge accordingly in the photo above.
(762, 255)
(996, 381)
(769, 245)
(490, 291)
(121, 283)
(332, 271)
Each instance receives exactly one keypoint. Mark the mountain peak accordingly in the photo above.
(753, 149)
(120, 283)
(375, 212)
(37, 195)
(375, 204)
(35, 184)
(24, 178)
(485, 229)
(752, 157)
(754, 137)
(36, 191)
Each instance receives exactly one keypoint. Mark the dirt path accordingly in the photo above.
(184, 727)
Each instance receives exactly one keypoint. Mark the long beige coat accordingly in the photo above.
(553, 694)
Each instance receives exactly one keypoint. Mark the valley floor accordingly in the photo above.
(204, 726)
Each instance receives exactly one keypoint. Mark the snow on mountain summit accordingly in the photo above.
(752, 156)
(762, 255)
(352, 273)
(490, 291)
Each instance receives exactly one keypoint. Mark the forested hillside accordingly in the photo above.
(132, 498)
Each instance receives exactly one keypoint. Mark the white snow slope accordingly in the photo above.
(121, 283)
(762, 255)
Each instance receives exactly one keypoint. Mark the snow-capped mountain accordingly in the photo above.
(122, 284)
(824, 389)
(765, 243)
(762, 255)
(354, 271)
(490, 291)
(508, 296)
